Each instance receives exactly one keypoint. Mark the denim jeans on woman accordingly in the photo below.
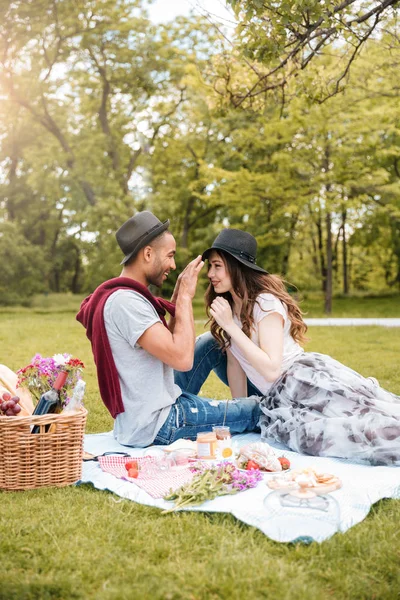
(191, 413)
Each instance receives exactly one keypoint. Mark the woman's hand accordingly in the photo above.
(221, 310)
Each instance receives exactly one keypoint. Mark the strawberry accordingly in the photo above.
(284, 463)
(252, 466)
(131, 464)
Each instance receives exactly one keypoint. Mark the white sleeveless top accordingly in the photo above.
(264, 306)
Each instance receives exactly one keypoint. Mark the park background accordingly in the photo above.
(279, 118)
(105, 112)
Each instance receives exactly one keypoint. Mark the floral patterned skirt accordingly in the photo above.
(323, 408)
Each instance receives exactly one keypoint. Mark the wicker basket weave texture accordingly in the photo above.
(48, 458)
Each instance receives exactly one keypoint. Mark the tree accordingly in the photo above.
(104, 114)
(282, 38)
(22, 267)
(93, 83)
(333, 161)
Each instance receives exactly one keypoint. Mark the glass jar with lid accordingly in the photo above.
(224, 442)
(206, 444)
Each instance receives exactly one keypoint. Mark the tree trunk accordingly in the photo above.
(335, 252)
(344, 254)
(56, 279)
(328, 224)
(285, 261)
(12, 178)
(396, 249)
(328, 289)
(186, 222)
(321, 253)
(75, 287)
(314, 252)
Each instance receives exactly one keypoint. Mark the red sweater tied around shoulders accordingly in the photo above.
(91, 315)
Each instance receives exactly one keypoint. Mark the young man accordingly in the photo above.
(149, 372)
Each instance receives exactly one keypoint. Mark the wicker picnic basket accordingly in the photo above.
(48, 458)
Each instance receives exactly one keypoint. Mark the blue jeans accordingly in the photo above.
(191, 414)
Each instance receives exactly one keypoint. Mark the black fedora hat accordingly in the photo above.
(239, 244)
(138, 231)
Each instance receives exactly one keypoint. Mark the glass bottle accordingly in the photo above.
(50, 401)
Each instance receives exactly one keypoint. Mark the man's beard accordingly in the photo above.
(157, 276)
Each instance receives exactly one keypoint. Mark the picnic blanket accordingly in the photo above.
(363, 485)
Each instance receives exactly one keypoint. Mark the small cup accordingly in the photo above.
(183, 456)
(222, 432)
(157, 461)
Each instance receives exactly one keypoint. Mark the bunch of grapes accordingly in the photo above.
(9, 405)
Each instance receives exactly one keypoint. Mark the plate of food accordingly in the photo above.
(306, 482)
(261, 457)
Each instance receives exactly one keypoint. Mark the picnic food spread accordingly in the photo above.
(181, 477)
(56, 383)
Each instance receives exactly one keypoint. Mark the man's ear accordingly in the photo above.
(147, 253)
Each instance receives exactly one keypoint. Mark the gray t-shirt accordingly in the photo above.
(147, 384)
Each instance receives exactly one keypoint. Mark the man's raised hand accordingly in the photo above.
(187, 280)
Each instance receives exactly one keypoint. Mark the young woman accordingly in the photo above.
(311, 402)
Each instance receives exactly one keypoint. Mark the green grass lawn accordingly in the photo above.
(312, 305)
(353, 306)
(81, 543)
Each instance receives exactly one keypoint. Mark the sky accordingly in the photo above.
(162, 11)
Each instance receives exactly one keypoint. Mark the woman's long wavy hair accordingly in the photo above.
(248, 284)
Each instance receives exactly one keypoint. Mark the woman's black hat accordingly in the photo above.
(239, 244)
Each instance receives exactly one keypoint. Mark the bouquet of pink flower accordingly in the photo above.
(210, 481)
(39, 376)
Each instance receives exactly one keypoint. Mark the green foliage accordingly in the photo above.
(78, 86)
(282, 38)
(105, 114)
(22, 267)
